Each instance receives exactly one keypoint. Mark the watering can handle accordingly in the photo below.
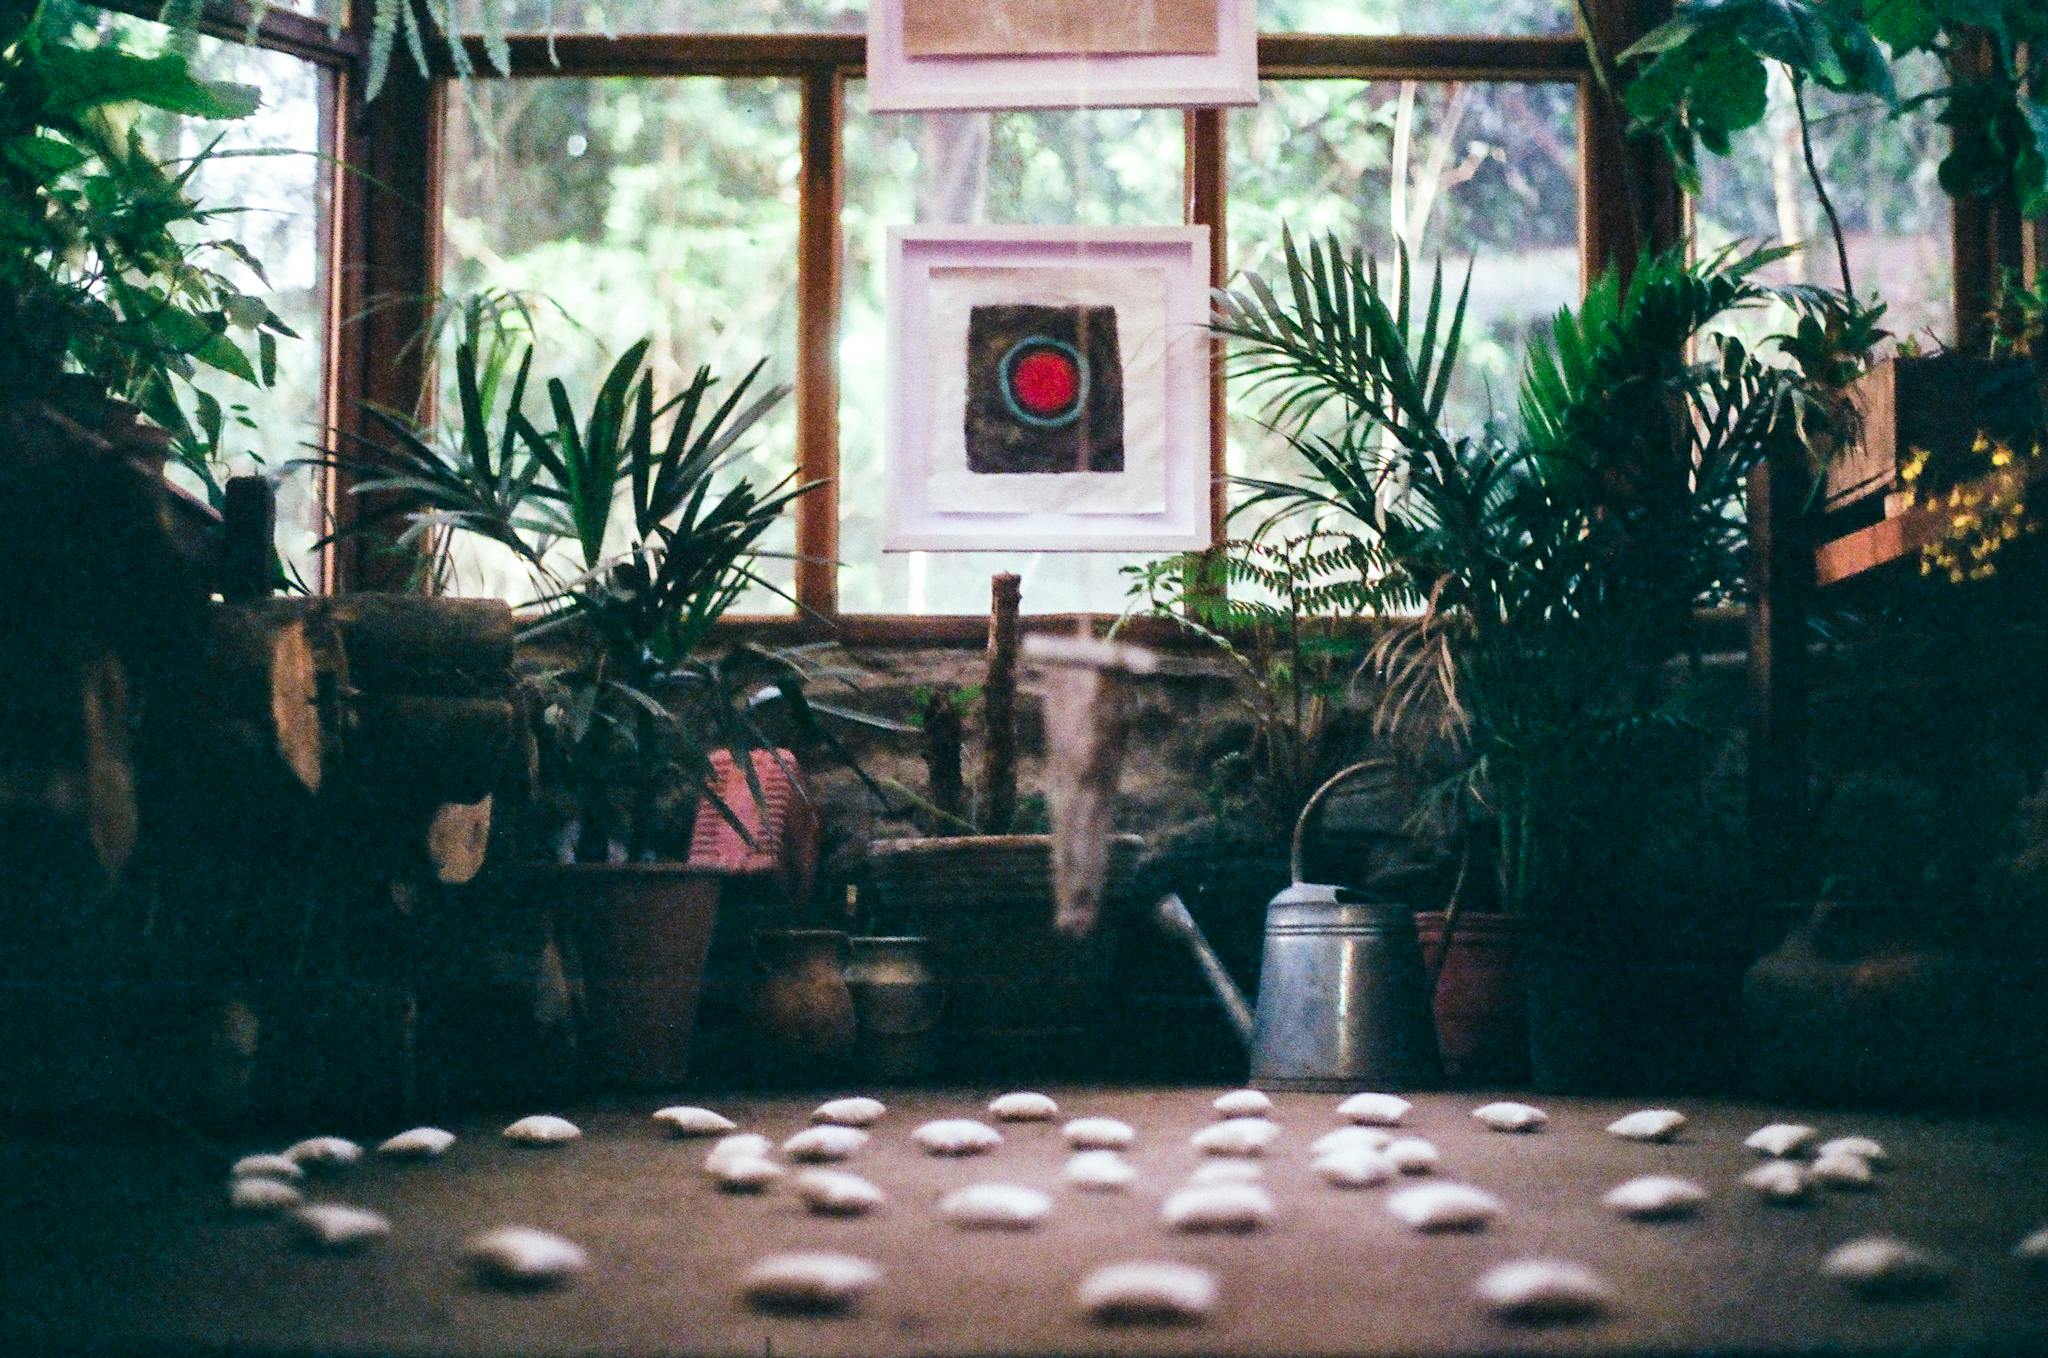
(1174, 917)
(1314, 803)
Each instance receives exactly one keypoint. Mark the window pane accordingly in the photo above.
(671, 16)
(1119, 167)
(1880, 175)
(1417, 16)
(625, 209)
(267, 179)
(1483, 176)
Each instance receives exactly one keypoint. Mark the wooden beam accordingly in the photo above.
(817, 377)
(280, 29)
(729, 54)
(1893, 539)
(1421, 57)
(1781, 584)
(1207, 193)
(1628, 191)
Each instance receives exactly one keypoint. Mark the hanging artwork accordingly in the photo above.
(993, 54)
(1048, 389)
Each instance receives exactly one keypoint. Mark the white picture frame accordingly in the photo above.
(901, 83)
(1159, 500)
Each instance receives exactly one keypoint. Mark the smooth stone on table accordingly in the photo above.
(1355, 1168)
(1843, 1171)
(324, 1152)
(1002, 1207)
(957, 1136)
(281, 1167)
(1543, 1289)
(1375, 1110)
(855, 1112)
(1862, 1147)
(1656, 1197)
(250, 1193)
(1782, 1139)
(1218, 1207)
(1347, 1139)
(1781, 1181)
(826, 1142)
(1023, 1107)
(1243, 1103)
(1880, 1266)
(1511, 1117)
(2033, 1249)
(1412, 1154)
(808, 1281)
(1650, 1124)
(420, 1143)
(542, 1129)
(739, 1146)
(837, 1193)
(1227, 1171)
(743, 1173)
(1237, 1136)
(1099, 1171)
(690, 1120)
(1098, 1134)
(524, 1257)
(336, 1227)
(1444, 1207)
(1148, 1291)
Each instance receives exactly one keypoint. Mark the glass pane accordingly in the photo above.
(625, 209)
(1484, 176)
(670, 16)
(1094, 168)
(1418, 16)
(1880, 175)
(267, 177)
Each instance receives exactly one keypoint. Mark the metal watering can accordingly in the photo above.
(1344, 1002)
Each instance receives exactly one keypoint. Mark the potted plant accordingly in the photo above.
(1542, 581)
(637, 537)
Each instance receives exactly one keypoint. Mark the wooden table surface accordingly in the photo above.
(129, 1248)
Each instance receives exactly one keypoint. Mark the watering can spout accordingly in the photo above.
(1173, 916)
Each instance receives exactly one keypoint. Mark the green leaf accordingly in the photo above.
(46, 157)
(266, 353)
(83, 78)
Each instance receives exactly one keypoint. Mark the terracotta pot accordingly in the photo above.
(803, 1009)
(639, 933)
(1481, 1003)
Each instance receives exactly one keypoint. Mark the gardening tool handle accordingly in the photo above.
(1314, 802)
(1173, 916)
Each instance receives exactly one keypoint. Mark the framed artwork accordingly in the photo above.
(1048, 389)
(1002, 54)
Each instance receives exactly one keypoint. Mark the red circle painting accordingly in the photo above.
(1045, 382)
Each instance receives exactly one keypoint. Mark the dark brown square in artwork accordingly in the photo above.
(1045, 390)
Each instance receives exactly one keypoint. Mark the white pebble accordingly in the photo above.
(1237, 1136)
(740, 1146)
(1782, 1139)
(1544, 1289)
(836, 1193)
(808, 1282)
(1780, 1181)
(1849, 1172)
(325, 1152)
(1357, 1168)
(1099, 1171)
(1444, 1207)
(1375, 1110)
(1023, 1107)
(1158, 1292)
(421, 1143)
(829, 1142)
(1412, 1154)
(1218, 1207)
(850, 1112)
(1878, 1266)
(743, 1173)
(1098, 1134)
(1227, 1171)
(252, 1194)
(1346, 1139)
(280, 1167)
(688, 1120)
(1243, 1103)
(2034, 1249)
(999, 1207)
(1651, 1124)
(520, 1256)
(957, 1136)
(1862, 1147)
(1656, 1197)
(542, 1129)
(337, 1228)
(1511, 1117)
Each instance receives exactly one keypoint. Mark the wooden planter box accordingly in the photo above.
(1932, 401)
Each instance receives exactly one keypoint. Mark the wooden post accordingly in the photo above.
(999, 708)
(942, 759)
(248, 529)
(1781, 583)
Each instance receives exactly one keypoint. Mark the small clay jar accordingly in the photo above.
(802, 1007)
